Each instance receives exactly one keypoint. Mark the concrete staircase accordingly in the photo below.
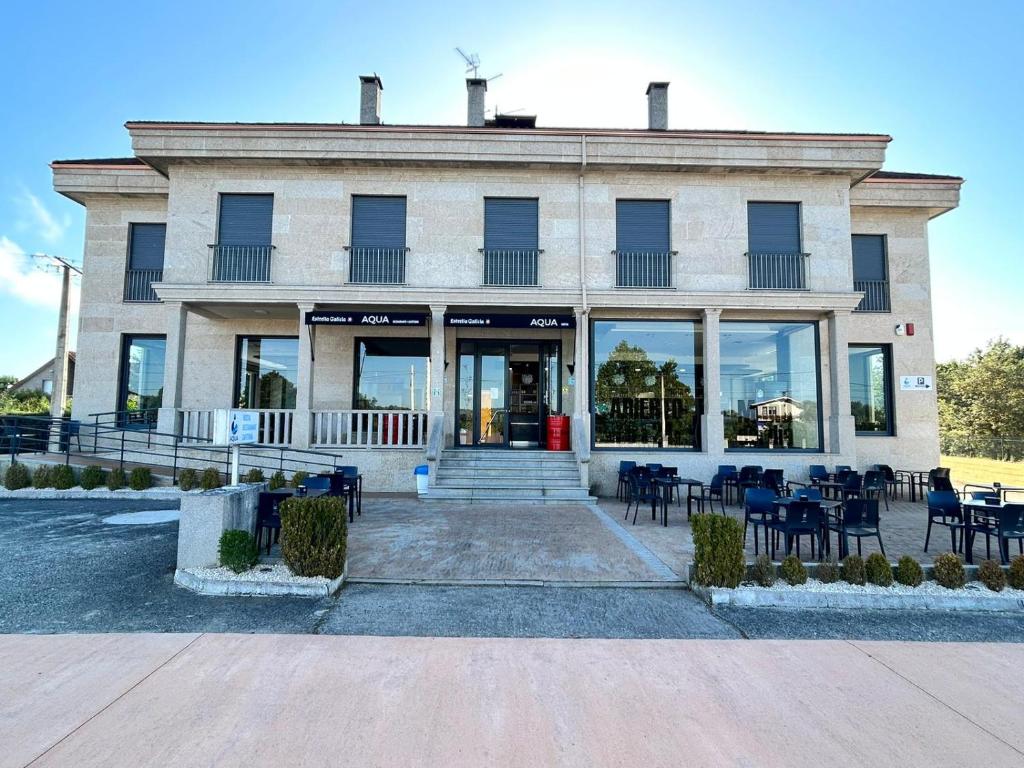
(487, 476)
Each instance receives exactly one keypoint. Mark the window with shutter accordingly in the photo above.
(146, 246)
(871, 273)
(775, 261)
(377, 251)
(510, 241)
(246, 220)
(643, 244)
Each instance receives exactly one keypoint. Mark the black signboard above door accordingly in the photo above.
(322, 317)
(509, 321)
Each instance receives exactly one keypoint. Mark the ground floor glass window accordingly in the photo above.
(770, 385)
(871, 389)
(268, 371)
(142, 379)
(391, 374)
(647, 383)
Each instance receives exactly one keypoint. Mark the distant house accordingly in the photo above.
(41, 379)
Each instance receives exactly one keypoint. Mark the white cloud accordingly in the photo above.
(22, 278)
(38, 219)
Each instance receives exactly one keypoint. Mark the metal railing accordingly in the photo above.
(876, 295)
(240, 263)
(138, 284)
(517, 266)
(777, 271)
(643, 269)
(365, 429)
(275, 425)
(376, 266)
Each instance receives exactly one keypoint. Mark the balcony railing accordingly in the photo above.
(377, 266)
(138, 284)
(643, 269)
(777, 271)
(516, 266)
(876, 295)
(275, 425)
(240, 263)
(366, 429)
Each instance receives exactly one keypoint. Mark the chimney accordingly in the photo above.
(657, 106)
(369, 99)
(477, 87)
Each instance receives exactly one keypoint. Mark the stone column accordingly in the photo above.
(174, 365)
(435, 410)
(842, 434)
(711, 422)
(302, 418)
(581, 354)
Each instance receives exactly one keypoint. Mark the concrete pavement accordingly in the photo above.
(277, 700)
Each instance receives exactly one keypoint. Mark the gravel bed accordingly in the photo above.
(262, 581)
(277, 573)
(926, 588)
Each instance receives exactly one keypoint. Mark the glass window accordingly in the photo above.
(268, 369)
(871, 389)
(142, 378)
(391, 374)
(647, 384)
(770, 378)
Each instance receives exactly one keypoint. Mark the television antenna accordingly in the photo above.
(473, 64)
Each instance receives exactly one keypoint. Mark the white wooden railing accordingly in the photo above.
(365, 429)
(275, 425)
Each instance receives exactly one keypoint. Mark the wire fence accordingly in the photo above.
(983, 447)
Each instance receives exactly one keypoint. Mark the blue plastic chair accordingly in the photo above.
(641, 490)
(802, 518)
(623, 486)
(758, 509)
(806, 494)
(859, 519)
(818, 473)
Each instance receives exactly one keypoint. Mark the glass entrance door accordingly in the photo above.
(492, 409)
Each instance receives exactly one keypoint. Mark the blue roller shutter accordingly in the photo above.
(246, 220)
(869, 257)
(146, 249)
(773, 227)
(642, 225)
(378, 222)
(510, 223)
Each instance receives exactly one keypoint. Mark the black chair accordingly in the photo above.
(623, 487)
(750, 477)
(730, 478)
(805, 493)
(314, 483)
(851, 485)
(817, 474)
(758, 510)
(875, 487)
(938, 480)
(842, 470)
(860, 519)
(774, 479)
(641, 490)
(654, 468)
(801, 518)
(268, 517)
(714, 490)
(894, 482)
(354, 480)
(944, 509)
(1009, 525)
(669, 473)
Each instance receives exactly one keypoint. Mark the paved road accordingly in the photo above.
(63, 570)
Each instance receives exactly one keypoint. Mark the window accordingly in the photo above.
(391, 374)
(510, 241)
(647, 384)
(142, 379)
(245, 220)
(871, 273)
(47, 387)
(378, 240)
(145, 261)
(770, 385)
(643, 244)
(268, 368)
(774, 249)
(871, 389)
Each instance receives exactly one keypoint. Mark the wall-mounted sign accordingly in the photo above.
(365, 318)
(916, 382)
(509, 321)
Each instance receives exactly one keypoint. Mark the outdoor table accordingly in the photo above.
(667, 484)
(831, 485)
(918, 481)
(828, 506)
(973, 510)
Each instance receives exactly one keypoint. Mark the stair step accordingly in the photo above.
(522, 482)
(505, 473)
(508, 494)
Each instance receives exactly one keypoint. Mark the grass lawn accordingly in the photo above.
(984, 471)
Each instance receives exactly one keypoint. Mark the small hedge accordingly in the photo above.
(853, 571)
(92, 477)
(793, 571)
(237, 550)
(140, 479)
(763, 571)
(277, 481)
(42, 477)
(877, 570)
(188, 479)
(116, 479)
(210, 479)
(991, 574)
(718, 557)
(949, 571)
(828, 571)
(254, 475)
(1015, 576)
(17, 477)
(299, 478)
(909, 572)
(314, 535)
(63, 477)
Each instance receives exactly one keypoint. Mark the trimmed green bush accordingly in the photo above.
(827, 571)
(116, 479)
(877, 570)
(63, 477)
(762, 572)
(314, 535)
(909, 572)
(140, 479)
(237, 550)
(17, 477)
(92, 477)
(853, 570)
(254, 475)
(298, 478)
(991, 574)
(793, 571)
(276, 481)
(42, 476)
(949, 571)
(210, 479)
(1015, 576)
(718, 559)
(188, 479)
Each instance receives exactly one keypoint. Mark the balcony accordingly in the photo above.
(138, 284)
(510, 267)
(240, 263)
(777, 271)
(376, 266)
(643, 269)
(876, 295)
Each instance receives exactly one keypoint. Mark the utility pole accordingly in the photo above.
(58, 398)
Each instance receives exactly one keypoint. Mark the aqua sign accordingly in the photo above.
(403, 319)
(538, 321)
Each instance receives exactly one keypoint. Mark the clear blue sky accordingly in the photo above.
(944, 79)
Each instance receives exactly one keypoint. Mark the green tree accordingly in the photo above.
(6, 382)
